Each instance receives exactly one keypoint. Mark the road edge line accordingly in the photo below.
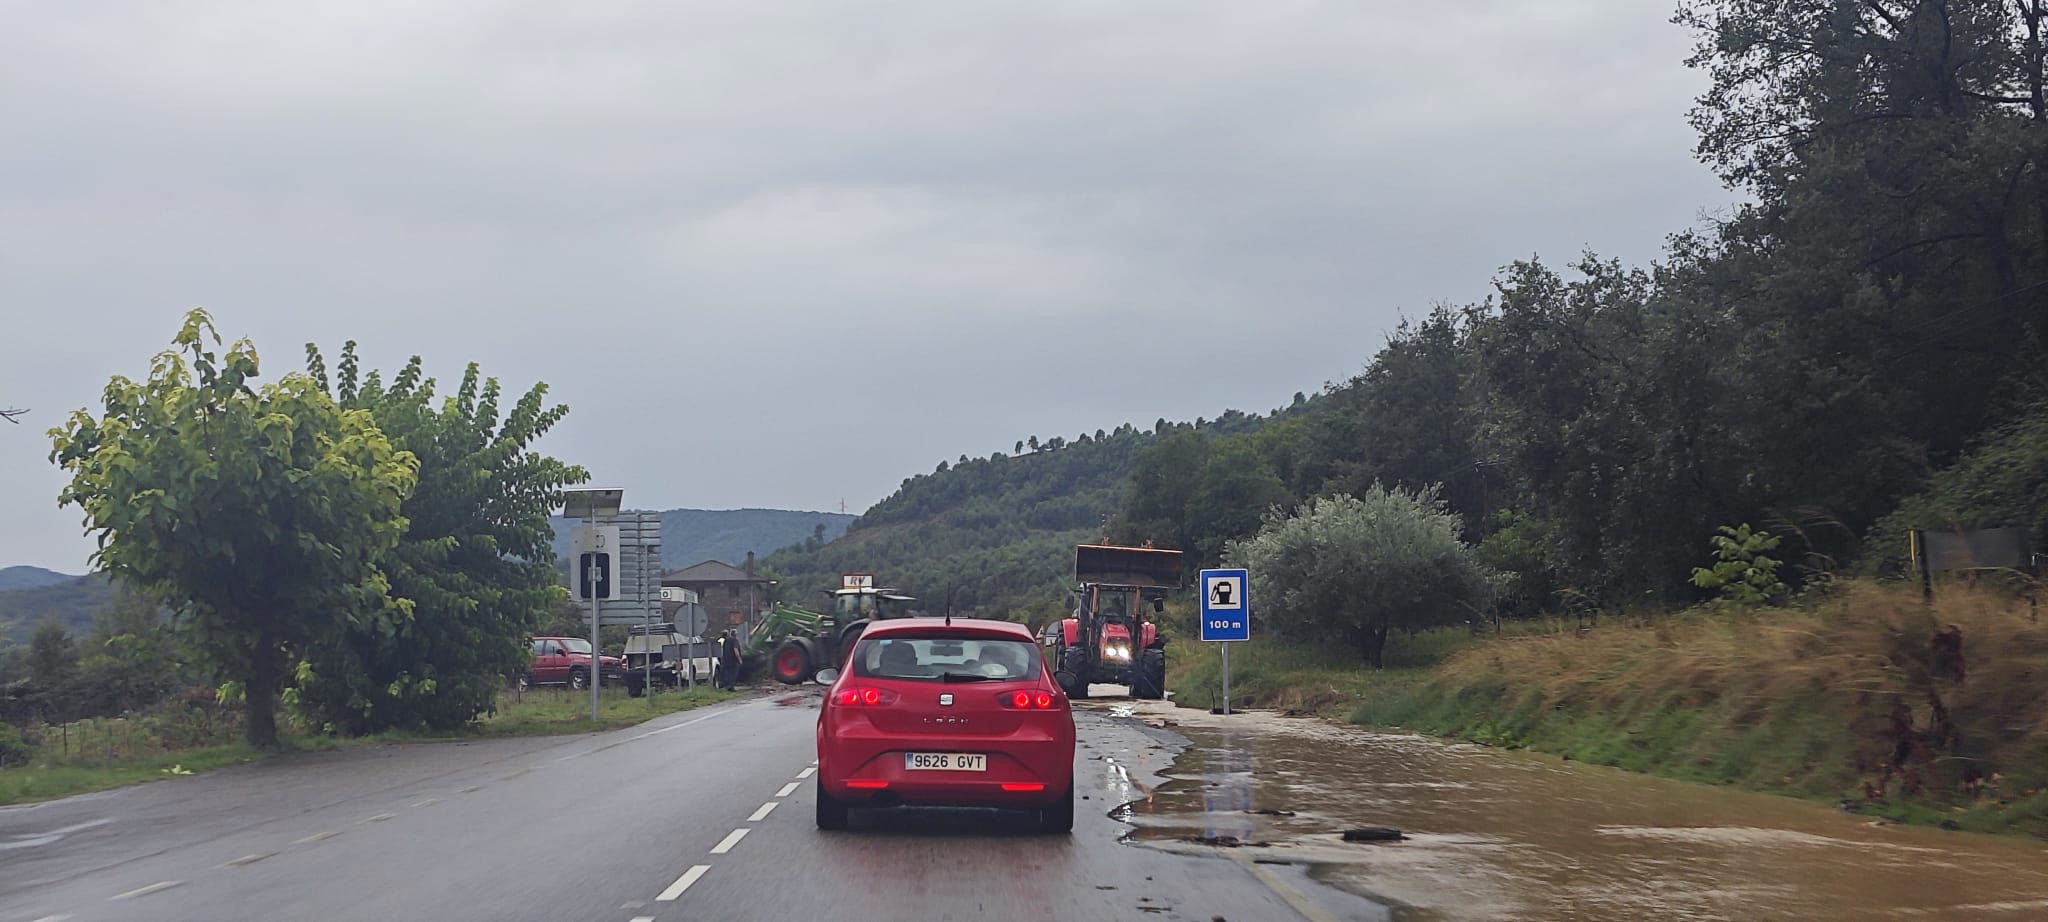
(1309, 910)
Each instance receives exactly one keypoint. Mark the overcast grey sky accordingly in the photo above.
(843, 241)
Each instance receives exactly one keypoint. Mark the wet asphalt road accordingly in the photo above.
(699, 815)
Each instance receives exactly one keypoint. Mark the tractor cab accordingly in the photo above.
(868, 603)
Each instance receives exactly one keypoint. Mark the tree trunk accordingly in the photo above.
(1372, 644)
(260, 692)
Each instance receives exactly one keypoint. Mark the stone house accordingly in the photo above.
(732, 596)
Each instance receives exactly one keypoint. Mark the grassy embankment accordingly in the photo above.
(95, 755)
(1812, 703)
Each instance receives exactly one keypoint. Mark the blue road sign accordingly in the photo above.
(1226, 606)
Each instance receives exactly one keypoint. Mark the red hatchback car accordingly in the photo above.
(959, 713)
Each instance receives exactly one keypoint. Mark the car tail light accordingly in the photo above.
(1023, 788)
(863, 785)
(1029, 700)
(864, 697)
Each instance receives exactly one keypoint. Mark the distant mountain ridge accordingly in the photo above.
(71, 601)
(30, 578)
(691, 536)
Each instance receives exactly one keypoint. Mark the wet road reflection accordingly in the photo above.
(1503, 835)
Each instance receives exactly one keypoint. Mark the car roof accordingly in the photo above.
(941, 627)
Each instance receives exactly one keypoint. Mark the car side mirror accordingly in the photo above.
(828, 675)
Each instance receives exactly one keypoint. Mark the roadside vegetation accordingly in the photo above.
(293, 562)
(1859, 698)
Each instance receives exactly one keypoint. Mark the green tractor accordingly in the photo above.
(811, 641)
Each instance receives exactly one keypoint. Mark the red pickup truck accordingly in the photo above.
(566, 661)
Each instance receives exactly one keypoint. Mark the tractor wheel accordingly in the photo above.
(793, 663)
(1058, 817)
(831, 810)
(1148, 677)
(848, 637)
(1074, 664)
(635, 688)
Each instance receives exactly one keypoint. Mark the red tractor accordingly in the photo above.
(1109, 640)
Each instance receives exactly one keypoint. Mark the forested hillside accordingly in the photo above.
(994, 535)
(72, 603)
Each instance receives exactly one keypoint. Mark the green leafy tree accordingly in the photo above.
(1231, 497)
(257, 515)
(476, 563)
(1162, 485)
(1743, 573)
(1352, 570)
(131, 659)
(52, 654)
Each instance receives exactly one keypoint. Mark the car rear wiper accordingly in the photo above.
(965, 677)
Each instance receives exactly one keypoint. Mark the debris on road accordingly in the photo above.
(1373, 834)
(1226, 842)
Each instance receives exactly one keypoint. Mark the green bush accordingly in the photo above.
(13, 751)
(1351, 570)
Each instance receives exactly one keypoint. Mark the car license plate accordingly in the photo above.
(945, 761)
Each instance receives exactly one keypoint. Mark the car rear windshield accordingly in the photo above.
(936, 657)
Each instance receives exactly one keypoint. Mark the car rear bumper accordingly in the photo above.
(1022, 772)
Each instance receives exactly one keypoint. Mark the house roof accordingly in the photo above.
(710, 571)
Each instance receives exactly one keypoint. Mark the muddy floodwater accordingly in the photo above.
(1505, 835)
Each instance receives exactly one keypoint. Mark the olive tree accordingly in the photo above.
(1351, 569)
(257, 515)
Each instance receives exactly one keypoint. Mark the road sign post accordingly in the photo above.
(594, 545)
(1226, 615)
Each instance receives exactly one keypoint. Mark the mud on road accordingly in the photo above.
(1497, 835)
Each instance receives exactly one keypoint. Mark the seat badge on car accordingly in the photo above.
(946, 700)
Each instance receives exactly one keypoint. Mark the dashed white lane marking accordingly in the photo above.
(788, 789)
(145, 891)
(428, 802)
(318, 837)
(32, 841)
(246, 859)
(53, 919)
(762, 813)
(731, 839)
(381, 817)
(683, 883)
(643, 919)
(806, 773)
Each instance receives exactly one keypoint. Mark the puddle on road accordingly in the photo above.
(1504, 835)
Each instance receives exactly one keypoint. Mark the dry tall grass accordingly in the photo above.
(1853, 698)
